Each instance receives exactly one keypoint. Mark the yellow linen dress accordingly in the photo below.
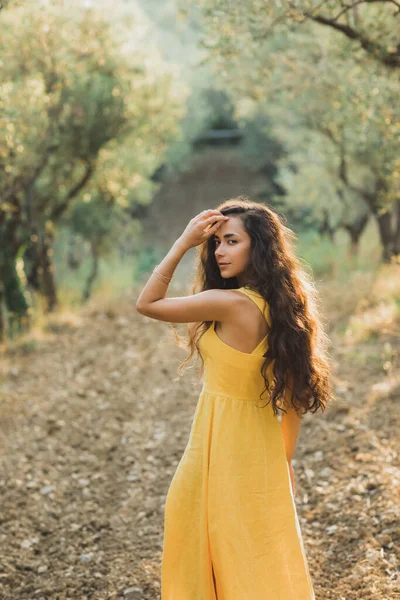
(231, 530)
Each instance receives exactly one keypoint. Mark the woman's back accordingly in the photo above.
(251, 325)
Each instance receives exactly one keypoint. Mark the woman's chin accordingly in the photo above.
(226, 275)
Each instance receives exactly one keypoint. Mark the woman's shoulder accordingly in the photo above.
(258, 299)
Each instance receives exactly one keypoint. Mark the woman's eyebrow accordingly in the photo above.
(227, 235)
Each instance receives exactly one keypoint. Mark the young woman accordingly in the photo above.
(231, 530)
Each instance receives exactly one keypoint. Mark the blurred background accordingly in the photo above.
(119, 122)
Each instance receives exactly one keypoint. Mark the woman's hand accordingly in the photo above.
(292, 478)
(201, 227)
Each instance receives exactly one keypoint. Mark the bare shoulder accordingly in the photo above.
(225, 304)
(232, 304)
(207, 305)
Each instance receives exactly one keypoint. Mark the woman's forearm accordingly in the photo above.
(290, 425)
(155, 289)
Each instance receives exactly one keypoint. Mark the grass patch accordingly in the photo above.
(114, 277)
(23, 346)
(333, 260)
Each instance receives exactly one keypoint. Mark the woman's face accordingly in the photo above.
(232, 246)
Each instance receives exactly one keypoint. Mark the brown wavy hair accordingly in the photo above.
(297, 345)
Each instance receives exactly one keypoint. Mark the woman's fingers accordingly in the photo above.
(217, 218)
(215, 226)
(211, 214)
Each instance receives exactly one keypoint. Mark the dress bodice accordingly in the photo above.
(229, 371)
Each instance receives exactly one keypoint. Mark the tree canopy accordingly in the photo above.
(83, 118)
(317, 82)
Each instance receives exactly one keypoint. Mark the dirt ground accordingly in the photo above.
(93, 425)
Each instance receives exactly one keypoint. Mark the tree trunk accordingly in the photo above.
(47, 279)
(326, 228)
(32, 250)
(354, 246)
(11, 288)
(396, 235)
(32, 263)
(93, 273)
(2, 331)
(384, 220)
(355, 230)
(74, 257)
(39, 269)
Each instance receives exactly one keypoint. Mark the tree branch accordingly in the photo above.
(347, 7)
(368, 197)
(379, 51)
(62, 207)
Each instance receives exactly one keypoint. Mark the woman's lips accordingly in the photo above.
(224, 265)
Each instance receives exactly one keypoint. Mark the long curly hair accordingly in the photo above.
(297, 345)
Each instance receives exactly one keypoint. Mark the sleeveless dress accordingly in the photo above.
(231, 530)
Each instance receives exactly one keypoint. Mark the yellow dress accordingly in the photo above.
(231, 530)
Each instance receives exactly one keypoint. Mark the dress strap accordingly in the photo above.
(259, 300)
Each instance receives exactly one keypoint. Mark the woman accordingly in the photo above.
(231, 530)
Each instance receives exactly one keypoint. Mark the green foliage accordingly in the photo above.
(331, 261)
(206, 108)
(146, 260)
(371, 27)
(65, 108)
(221, 109)
(94, 221)
(82, 119)
(333, 107)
